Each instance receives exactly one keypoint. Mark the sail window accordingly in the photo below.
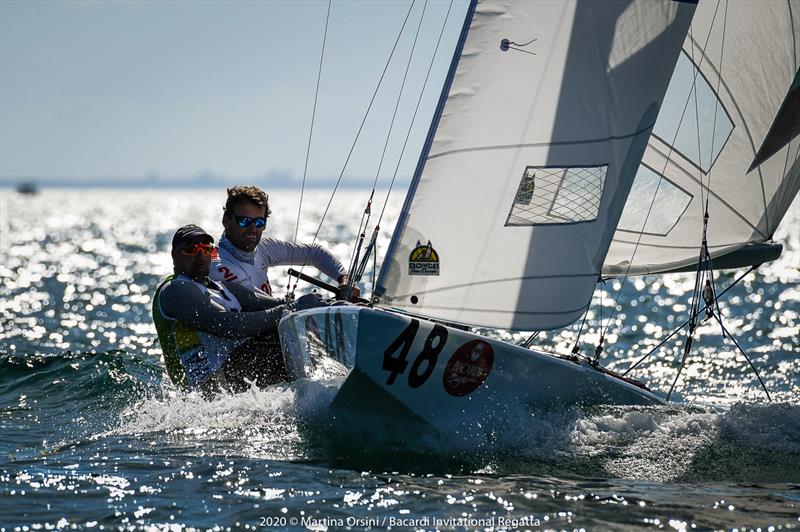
(669, 205)
(704, 115)
(558, 195)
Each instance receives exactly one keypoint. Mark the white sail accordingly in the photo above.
(530, 160)
(738, 78)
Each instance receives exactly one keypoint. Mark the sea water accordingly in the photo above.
(93, 436)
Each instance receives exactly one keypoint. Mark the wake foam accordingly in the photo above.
(263, 423)
(745, 442)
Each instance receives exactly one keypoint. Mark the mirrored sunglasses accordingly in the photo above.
(246, 221)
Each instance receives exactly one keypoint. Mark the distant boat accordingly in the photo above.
(28, 187)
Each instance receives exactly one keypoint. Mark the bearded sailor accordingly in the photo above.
(244, 258)
(216, 335)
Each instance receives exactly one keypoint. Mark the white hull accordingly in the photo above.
(402, 367)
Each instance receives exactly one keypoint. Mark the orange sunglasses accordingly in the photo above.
(196, 249)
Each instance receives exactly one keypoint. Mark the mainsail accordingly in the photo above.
(727, 130)
(543, 122)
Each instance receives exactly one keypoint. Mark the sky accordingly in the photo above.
(141, 90)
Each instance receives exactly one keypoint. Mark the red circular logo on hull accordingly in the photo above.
(468, 368)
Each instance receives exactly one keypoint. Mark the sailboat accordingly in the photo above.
(573, 141)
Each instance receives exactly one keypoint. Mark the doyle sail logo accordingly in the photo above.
(424, 260)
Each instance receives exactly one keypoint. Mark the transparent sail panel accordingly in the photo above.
(669, 205)
(697, 121)
(557, 195)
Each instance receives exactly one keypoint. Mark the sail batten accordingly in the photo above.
(530, 160)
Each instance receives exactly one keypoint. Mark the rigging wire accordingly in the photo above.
(704, 278)
(685, 323)
(356, 271)
(710, 281)
(742, 351)
(716, 100)
(703, 200)
(358, 134)
(705, 267)
(701, 272)
(400, 94)
(374, 268)
(373, 242)
(527, 343)
(575, 348)
(660, 176)
(598, 350)
(414, 116)
(310, 134)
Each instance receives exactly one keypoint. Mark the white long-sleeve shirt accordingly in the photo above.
(225, 266)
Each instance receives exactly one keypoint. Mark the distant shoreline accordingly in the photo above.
(192, 184)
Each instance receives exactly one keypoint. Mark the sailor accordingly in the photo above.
(244, 258)
(212, 333)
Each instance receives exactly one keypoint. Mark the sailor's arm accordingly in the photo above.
(281, 253)
(184, 302)
(252, 299)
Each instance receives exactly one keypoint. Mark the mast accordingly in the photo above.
(401, 221)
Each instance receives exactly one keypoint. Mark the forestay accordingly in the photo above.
(537, 140)
(738, 133)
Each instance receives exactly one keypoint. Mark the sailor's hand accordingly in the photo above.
(355, 293)
(306, 302)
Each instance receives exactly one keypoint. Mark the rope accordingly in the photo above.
(358, 134)
(505, 45)
(524, 45)
(310, 134)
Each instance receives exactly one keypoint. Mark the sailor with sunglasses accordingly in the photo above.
(212, 333)
(243, 257)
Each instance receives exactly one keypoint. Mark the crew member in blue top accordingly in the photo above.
(212, 333)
